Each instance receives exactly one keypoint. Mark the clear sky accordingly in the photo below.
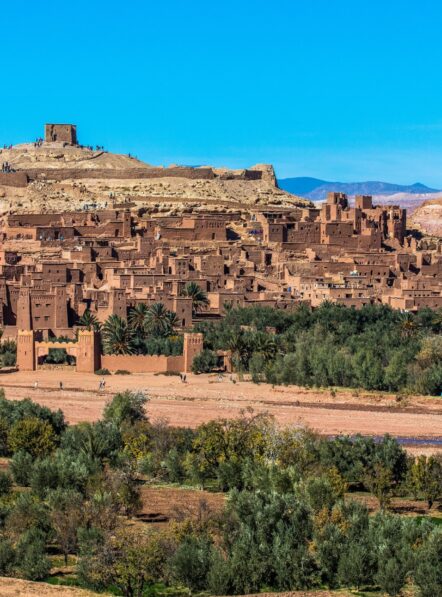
(338, 89)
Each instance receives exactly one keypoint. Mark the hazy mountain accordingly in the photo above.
(317, 189)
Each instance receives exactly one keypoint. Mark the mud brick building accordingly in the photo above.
(55, 266)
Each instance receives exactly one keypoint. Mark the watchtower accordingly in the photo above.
(61, 133)
(193, 345)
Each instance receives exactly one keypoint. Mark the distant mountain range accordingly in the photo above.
(317, 189)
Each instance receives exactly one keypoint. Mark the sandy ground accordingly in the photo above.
(204, 398)
(13, 587)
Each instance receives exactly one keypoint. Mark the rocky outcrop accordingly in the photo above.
(428, 218)
(61, 178)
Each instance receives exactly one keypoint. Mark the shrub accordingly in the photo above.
(103, 371)
(122, 372)
(33, 435)
(7, 557)
(428, 571)
(12, 411)
(32, 562)
(8, 359)
(191, 563)
(126, 407)
(21, 467)
(5, 483)
(205, 362)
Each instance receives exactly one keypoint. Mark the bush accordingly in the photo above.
(428, 571)
(7, 557)
(5, 483)
(8, 359)
(191, 563)
(204, 362)
(12, 411)
(32, 562)
(21, 467)
(122, 372)
(102, 371)
(33, 435)
(126, 407)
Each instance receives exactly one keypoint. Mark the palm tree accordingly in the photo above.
(198, 296)
(137, 317)
(264, 344)
(89, 321)
(117, 336)
(172, 322)
(156, 321)
(407, 325)
(240, 349)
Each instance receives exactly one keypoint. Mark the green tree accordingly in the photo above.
(31, 560)
(196, 293)
(21, 467)
(428, 569)
(205, 361)
(126, 407)
(159, 321)
(66, 514)
(191, 563)
(89, 321)
(425, 478)
(33, 435)
(117, 336)
(379, 480)
(7, 557)
(130, 561)
(5, 483)
(137, 318)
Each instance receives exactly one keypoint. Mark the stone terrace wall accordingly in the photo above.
(14, 179)
(59, 174)
(142, 363)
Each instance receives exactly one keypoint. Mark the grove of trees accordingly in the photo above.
(375, 348)
(289, 520)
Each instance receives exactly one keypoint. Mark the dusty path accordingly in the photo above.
(205, 397)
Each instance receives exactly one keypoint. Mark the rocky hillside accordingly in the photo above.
(428, 217)
(56, 178)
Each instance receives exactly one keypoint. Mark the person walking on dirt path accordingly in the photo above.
(61, 385)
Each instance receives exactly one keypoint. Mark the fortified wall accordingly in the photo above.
(89, 359)
(59, 174)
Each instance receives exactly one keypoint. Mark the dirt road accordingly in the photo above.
(206, 397)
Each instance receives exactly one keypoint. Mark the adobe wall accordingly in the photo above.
(143, 363)
(14, 179)
(59, 174)
(61, 133)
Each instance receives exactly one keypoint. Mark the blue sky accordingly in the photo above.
(337, 89)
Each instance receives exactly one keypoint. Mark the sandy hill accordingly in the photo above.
(61, 178)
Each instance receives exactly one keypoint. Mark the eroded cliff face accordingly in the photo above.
(50, 178)
(428, 217)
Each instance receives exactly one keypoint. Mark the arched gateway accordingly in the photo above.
(87, 353)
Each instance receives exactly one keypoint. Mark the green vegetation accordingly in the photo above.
(148, 330)
(288, 522)
(196, 293)
(8, 352)
(375, 348)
